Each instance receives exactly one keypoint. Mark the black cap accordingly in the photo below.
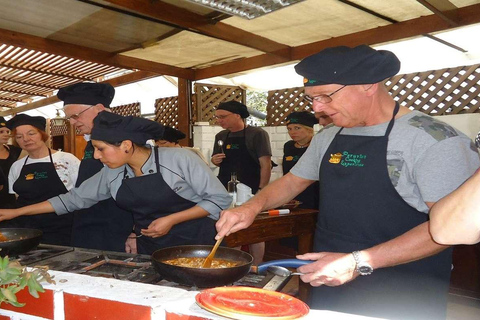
(3, 122)
(87, 93)
(111, 127)
(234, 107)
(348, 66)
(303, 117)
(172, 135)
(24, 119)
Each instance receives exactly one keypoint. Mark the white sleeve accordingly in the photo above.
(67, 166)
(14, 173)
(73, 169)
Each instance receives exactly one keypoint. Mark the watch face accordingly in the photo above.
(365, 269)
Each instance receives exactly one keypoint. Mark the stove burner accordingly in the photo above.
(122, 266)
(41, 253)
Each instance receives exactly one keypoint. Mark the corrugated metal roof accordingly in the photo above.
(47, 44)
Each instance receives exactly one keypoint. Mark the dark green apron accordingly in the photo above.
(149, 197)
(360, 208)
(238, 159)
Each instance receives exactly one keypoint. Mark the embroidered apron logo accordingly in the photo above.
(292, 158)
(352, 160)
(88, 155)
(233, 146)
(348, 159)
(36, 176)
(335, 158)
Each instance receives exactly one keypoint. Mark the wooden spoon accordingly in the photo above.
(208, 260)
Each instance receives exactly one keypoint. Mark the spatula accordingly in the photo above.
(208, 260)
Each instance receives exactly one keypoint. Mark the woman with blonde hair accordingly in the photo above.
(300, 128)
(8, 155)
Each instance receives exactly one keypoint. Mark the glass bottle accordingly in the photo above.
(232, 188)
(232, 184)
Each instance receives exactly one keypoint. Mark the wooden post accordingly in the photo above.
(185, 110)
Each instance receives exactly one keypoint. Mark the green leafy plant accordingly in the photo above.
(14, 277)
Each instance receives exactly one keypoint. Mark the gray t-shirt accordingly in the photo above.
(184, 172)
(256, 139)
(427, 159)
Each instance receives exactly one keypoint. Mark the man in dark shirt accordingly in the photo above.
(245, 151)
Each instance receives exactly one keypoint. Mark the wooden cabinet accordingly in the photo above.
(465, 278)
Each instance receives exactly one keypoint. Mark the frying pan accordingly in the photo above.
(20, 240)
(201, 278)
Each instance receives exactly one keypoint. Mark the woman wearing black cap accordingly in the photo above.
(43, 174)
(171, 138)
(8, 155)
(173, 196)
(300, 129)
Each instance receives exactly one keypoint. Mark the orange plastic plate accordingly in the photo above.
(245, 303)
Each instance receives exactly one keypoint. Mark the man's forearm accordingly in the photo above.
(413, 245)
(455, 219)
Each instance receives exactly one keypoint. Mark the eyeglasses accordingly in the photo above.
(222, 117)
(76, 116)
(322, 98)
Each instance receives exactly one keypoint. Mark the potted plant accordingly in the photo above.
(14, 277)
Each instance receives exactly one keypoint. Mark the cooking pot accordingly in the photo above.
(20, 240)
(199, 277)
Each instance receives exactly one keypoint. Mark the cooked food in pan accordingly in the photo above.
(3, 238)
(191, 262)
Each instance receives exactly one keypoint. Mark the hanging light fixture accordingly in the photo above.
(58, 120)
(249, 9)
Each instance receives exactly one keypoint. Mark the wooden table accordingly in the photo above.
(299, 222)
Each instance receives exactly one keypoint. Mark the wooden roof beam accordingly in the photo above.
(27, 83)
(49, 73)
(197, 23)
(10, 99)
(28, 93)
(398, 31)
(444, 9)
(116, 82)
(93, 55)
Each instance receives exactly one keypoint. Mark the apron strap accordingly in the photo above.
(390, 124)
(392, 121)
(157, 161)
(49, 154)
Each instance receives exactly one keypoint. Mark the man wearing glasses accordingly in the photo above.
(104, 226)
(380, 167)
(244, 150)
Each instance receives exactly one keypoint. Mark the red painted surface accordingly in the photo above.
(174, 316)
(83, 307)
(41, 307)
(4, 317)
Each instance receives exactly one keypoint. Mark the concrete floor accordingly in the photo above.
(459, 307)
(462, 308)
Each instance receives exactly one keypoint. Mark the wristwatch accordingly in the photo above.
(362, 267)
